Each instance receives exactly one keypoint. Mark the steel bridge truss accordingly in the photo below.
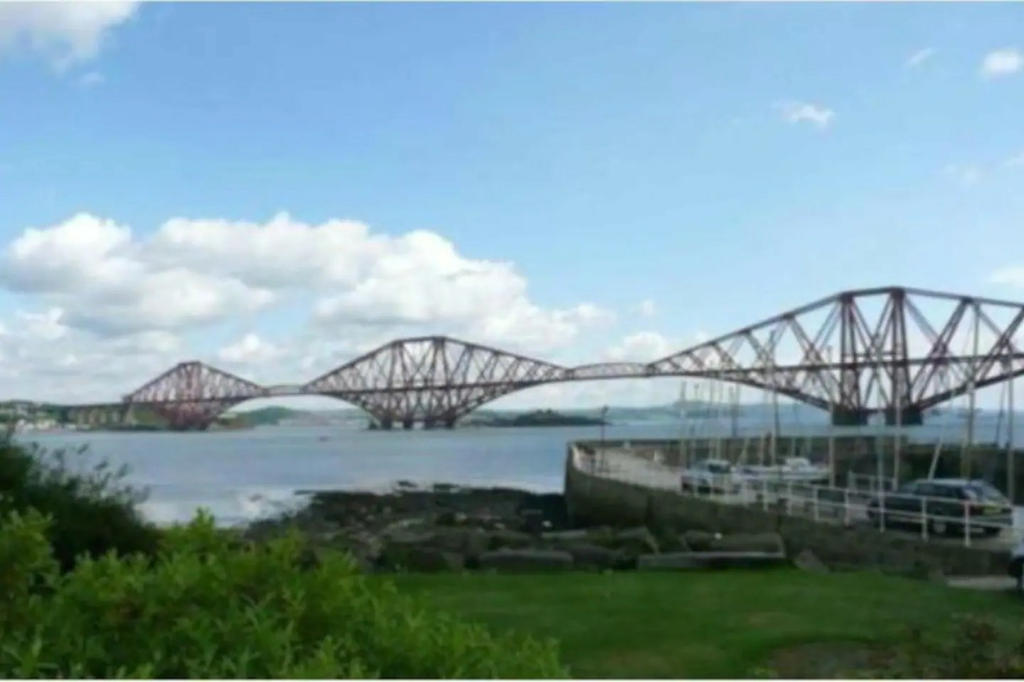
(894, 351)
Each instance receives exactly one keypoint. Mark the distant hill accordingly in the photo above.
(534, 418)
(265, 416)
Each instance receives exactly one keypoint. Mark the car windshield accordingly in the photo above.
(718, 468)
(986, 492)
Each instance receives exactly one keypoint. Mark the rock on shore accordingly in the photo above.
(448, 528)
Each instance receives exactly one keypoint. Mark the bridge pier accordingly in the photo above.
(909, 416)
(845, 416)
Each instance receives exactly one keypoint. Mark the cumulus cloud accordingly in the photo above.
(1004, 62)
(64, 32)
(250, 349)
(646, 308)
(1012, 275)
(43, 326)
(350, 290)
(417, 280)
(107, 281)
(919, 57)
(642, 347)
(805, 112)
(45, 360)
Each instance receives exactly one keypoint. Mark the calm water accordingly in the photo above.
(240, 475)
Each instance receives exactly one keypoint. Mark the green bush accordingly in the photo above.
(204, 607)
(92, 511)
(977, 649)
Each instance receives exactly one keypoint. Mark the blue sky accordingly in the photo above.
(720, 162)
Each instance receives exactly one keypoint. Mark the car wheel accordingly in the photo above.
(938, 527)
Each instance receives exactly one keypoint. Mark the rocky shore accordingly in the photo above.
(448, 527)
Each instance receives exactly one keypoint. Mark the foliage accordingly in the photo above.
(980, 648)
(92, 510)
(204, 608)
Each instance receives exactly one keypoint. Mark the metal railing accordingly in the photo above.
(930, 516)
(869, 482)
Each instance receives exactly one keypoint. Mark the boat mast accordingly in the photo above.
(899, 427)
(682, 424)
(715, 445)
(723, 435)
(944, 384)
(735, 413)
(1011, 475)
(694, 416)
(775, 411)
(966, 455)
(831, 431)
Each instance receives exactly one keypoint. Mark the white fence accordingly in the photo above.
(972, 522)
(869, 482)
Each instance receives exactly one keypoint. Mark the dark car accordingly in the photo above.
(943, 501)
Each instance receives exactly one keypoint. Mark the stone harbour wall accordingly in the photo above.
(592, 499)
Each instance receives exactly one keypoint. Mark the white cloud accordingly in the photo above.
(642, 347)
(798, 112)
(966, 176)
(647, 308)
(1002, 62)
(47, 361)
(91, 79)
(106, 281)
(250, 349)
(64, 32)
(44, 326)
(350, 288)
(1011, 275)
(414, 281)
(919, 57)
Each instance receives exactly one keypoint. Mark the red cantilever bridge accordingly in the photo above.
(892, 350)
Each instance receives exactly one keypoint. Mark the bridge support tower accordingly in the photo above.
(845, 416)
(909, 416)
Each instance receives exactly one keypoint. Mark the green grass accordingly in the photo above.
(703, 624)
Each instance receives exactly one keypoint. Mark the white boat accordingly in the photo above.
(792, 469)
(712, 475)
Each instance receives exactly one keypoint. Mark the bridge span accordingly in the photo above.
(893, 350)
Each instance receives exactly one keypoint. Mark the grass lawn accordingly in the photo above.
(706, 624)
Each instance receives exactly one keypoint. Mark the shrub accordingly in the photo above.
(208, 608)
(977, 649)
(92, 511)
